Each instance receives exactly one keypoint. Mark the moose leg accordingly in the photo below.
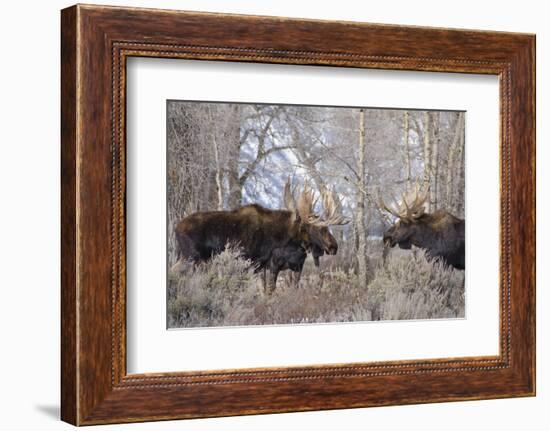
(273, 274)
(264, 278)
(291, 278)
(295, 277)
(298, 274)
(385, 252)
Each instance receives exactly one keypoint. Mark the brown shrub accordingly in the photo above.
(227, 292)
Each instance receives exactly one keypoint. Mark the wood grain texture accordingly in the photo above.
(96, 41)
(69, 397)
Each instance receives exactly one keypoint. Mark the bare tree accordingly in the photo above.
(427, 152)
(222, 156)
(454, 173)
(218, 166)
(360, 196)
(434, 162)
(406, 131)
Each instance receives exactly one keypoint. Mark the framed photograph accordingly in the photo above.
(263, 214)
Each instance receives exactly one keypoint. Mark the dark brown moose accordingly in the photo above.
(292, 257)
(440, 233)
(321, 239)
(274, 239)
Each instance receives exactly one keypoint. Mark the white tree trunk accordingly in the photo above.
(434, 168)
(454, 162)
(427, 154)
(219, 189)
(458, 192)
(407, 149)
(360, 222)
(218, 173)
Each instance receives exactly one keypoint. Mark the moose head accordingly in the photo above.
(315, 228)
(409, 214)
(440, 233)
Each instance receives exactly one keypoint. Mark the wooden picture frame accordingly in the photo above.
(95, 43)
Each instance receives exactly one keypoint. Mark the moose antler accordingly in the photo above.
(331, 215)
(412, 204)
(305, 206)
(306, 200)
(306, 203)
(288, 196)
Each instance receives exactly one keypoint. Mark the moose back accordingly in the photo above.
(274, 239)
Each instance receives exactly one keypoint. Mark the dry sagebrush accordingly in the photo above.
(412, 286)
(227, 292)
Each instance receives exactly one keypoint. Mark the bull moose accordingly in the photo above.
(274, 239)
(321, 240)
(440, 233)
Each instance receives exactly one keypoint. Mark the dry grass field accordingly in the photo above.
(227, 292)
